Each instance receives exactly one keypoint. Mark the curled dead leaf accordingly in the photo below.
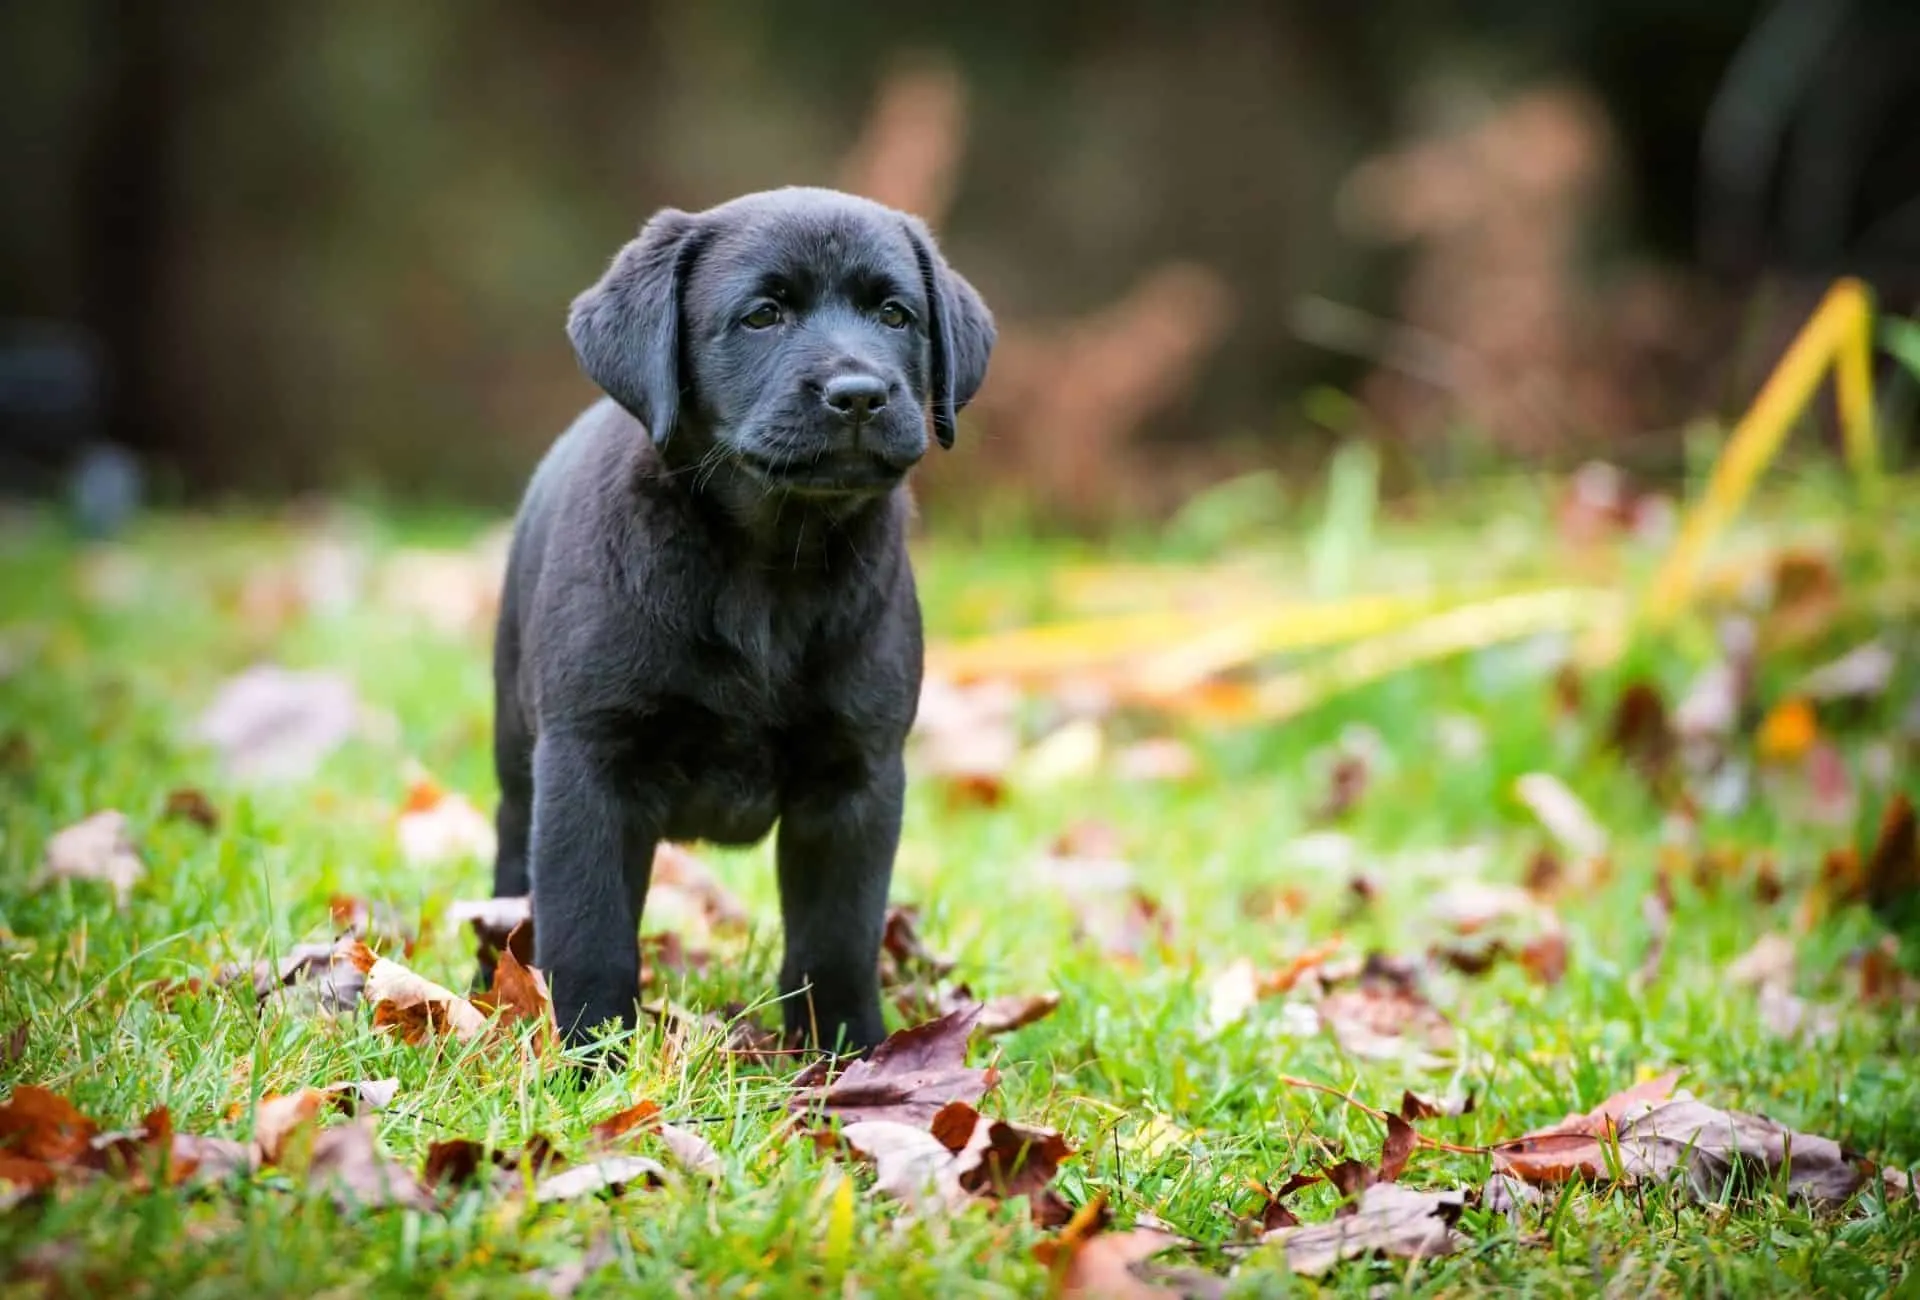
(908, 1078)
(99, 848)
(1388, 1220)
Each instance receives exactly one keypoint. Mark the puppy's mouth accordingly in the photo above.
(843, 473)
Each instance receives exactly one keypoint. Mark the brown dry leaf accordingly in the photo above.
(13, 1046)
(495, 921)
(1414, 1106)
(357, 918)
(967, 738)
(1650, 1131)
(191, 804)
(280, 1118)
(1893, 865)
(270, 724)
(346, 1163)
(1563, 815)
(458, 1161)
(904, 956)
(908, 1078)
(44, 1127)
(414, 1005)
(1275, 1214)
(910, 1165)
(437, 826)
(692, 1152)
(323, 969)
(1787, 732)
(1386, 1017)
(1091, 1263)
(1389, 1220)
(610, 1174)
(643, 1115)
(677, 871)
(1004, 1159)
(519, 996)
(95, 848)
(1642, 732)
(1003, 1015)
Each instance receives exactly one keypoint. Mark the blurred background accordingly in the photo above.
(274, 249)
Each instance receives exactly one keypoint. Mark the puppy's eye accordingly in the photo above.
(763, 317)
(893, 315)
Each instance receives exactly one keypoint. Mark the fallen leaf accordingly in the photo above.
(13, 1047)
(1088, 1261)
(910, 1165)
(346, 1163)
(1159, 759)
(967, 738)
(271, 724)
(44, 1127)
(1390, 1220)
(1642, 732)
(457, 1161)
(1003, 1159)
(96, 848)
(326, 969)
(908, 1078)
(904, 956)
(278, 1118)
(519, 996)
(1275, 1213)
(1650, 1131)
(643, 1115)
(679, 875)
(1386, 1017)
(1414, 1106)
(414, 1005)
(1773, 960)
(1003, 1015)
(436, 827)
(356, 918)
(1506, 1195)
(1863, 673)
(191, 805)
(1892, 872)
(1787, 732)
(1347, 779)
(495, 921)
(1563, 815)
(610, 1174)
(692, 1152)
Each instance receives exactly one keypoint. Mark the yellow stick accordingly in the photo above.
(1836, 335)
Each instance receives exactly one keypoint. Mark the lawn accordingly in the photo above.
(1174, 1091)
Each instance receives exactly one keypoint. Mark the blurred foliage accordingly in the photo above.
(333, 244)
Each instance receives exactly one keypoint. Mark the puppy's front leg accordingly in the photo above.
(591, 857)
(836, 860)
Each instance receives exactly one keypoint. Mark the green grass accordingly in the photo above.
(100, 699)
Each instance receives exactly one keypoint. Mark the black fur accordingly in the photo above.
(709, 623)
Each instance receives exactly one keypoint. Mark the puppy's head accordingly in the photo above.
(809, 337)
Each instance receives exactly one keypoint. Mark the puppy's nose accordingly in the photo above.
(855, 397)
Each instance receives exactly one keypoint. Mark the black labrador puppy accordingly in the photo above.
(709, 623)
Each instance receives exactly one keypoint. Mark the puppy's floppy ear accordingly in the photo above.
(960, 329)
(626, 328)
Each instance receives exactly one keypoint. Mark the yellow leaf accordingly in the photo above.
(1788, 731)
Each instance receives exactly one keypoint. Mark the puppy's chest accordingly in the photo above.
(722, 738)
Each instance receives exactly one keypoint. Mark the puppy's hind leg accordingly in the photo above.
(836, 851)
